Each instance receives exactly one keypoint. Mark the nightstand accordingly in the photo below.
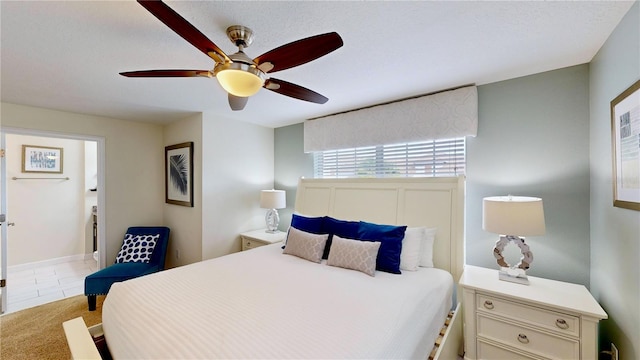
(546, 319)
(255, 238)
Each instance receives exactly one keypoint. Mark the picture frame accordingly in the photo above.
(179, 174)
(625, 139)
(42, 159)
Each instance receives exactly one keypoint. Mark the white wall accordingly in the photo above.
(134, 155)
(615, 232)
(237, 162)
(90, 197)
(186, 222)
(48, 214)
(233, 161)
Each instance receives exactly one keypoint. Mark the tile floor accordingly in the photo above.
(40, 285)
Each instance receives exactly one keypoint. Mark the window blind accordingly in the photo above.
(445, 115)
(417, 159)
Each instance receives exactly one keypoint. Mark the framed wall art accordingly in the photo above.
(42, 159)
(625, 139)
(179, 174)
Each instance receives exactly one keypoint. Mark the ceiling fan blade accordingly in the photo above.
(167, 73)
(298, 52)
(237, 102)
(183, 28)
(294, 91)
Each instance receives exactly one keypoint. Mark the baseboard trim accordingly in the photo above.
(49, 262)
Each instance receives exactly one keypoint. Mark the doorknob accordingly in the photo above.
(11, 224)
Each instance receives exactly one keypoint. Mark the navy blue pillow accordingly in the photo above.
(390, 237)
(307, 224)
(342, 228)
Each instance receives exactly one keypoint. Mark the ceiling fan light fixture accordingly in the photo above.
(239, 79)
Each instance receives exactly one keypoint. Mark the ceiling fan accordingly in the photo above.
(238, 74)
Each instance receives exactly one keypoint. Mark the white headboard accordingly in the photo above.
(431, 202)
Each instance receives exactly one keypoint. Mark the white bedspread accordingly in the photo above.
(263, 304)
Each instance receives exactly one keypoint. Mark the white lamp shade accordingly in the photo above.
(513, 215)
(239, 78)
(239, 82)
(273, 199)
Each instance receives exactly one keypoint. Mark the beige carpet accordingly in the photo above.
(37, 333)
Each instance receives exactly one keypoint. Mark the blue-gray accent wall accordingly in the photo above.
(615, 232)
(533, 140)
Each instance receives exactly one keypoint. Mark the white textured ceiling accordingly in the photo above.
(66, 55)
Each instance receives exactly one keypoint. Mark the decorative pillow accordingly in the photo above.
(426, 252)
(137, 248)
(354, 254)
(390, 237)
(307, 224)
(411, 248)
(305, 245)
(342, 228)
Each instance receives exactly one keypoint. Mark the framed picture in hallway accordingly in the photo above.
(42, 159)
(179, 174)
(625, 138)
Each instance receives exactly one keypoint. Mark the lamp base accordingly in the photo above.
(514, 275)
(272, 219)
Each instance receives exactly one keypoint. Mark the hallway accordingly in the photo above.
(39, 285)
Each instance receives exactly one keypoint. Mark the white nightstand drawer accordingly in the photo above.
(488, 351)
(248, 244)
(257, 238)
(527, 339)
(560, 323)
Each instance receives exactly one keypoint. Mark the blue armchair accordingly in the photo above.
(100, 282)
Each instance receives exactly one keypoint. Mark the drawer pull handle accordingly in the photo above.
(488, 304)
(562, 324)
(523, 338)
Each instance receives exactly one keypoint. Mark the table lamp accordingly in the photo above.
(272, 200)
(512, 217)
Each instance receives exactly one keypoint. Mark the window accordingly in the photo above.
(419, 159)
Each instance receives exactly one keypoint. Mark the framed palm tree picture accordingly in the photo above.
(179, 174)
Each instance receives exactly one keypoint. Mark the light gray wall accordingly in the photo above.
(533, 140)
(291, 163)
(238, 162)
(615, 232)
(185, 243)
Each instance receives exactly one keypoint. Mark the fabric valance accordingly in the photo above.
(448, 114)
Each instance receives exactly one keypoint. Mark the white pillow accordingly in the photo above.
(426, 255)
(354, 254)
(411, 248)
(305, 245)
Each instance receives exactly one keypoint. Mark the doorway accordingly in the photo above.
(49, 233)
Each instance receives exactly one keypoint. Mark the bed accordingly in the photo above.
(262, 303)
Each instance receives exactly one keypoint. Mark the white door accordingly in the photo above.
(3, 226)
